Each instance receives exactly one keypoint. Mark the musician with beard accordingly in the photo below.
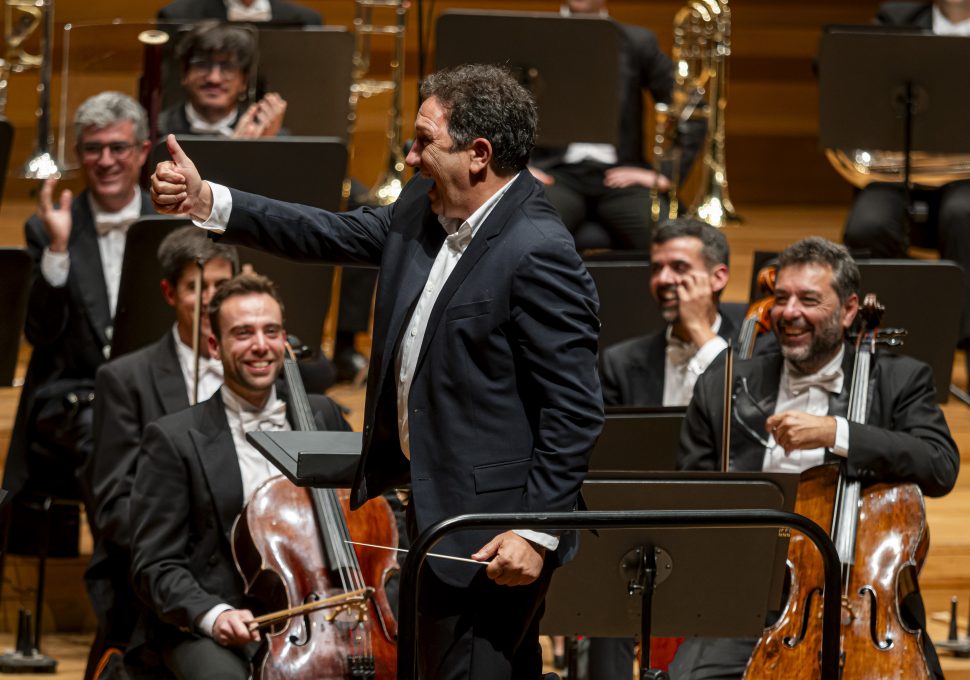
(791, 407)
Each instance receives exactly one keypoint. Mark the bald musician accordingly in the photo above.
(791, 407)
(195, 471)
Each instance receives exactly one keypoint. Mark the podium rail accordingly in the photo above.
(628, 519)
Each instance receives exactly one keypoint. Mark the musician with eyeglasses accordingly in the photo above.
(77, 244)
(789, 413)
(877, 225)
(216, 61)
(254, 11)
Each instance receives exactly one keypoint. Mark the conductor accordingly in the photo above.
(483, 389)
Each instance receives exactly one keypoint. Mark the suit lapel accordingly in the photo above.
(86, 270)
(656, 368)
(167, 378)
(217, 456)
(521, 187)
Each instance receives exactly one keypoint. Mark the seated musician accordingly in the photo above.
(606, 184)
(134, 390)
(216, 61)
(688, 273)
(877, 223)
(254, 11)
(195, 471)
(790, 415)
(77, 245)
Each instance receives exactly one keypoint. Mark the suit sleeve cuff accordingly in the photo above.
(547, 541)
(707, 354)
(208, 620)
(841, 447)
(55, 267)
(218, 219)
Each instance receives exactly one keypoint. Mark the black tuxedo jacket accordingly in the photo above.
(916, 14)
(195, 10)
(905, 437)
(505, 402)
(69, 328)
(632, 371)
(186, 495)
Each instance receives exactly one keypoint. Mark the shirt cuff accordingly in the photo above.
(218, 219)
(841, 447)
(547, 541)
(208, 619)
(55, 267)
(706, 355)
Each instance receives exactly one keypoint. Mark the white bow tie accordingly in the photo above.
(106, 226)
(272, 418)
(831, 382)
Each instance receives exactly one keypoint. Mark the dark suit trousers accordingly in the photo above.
(580, 196)
(876, 227)
(203, 659)
(482, 632)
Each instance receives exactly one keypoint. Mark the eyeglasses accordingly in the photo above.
(204, 65)
(91, 151)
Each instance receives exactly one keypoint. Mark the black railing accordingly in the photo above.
(629, 519)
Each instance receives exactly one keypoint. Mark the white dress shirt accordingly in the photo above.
(808, 394)
(258, 10)
(243, 417)
(224, 127)
(210, 370)
(112, 230)
(685, 362)
(943, 26)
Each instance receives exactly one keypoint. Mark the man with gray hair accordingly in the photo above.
(790, 415)
(483, 389)
(77, 245)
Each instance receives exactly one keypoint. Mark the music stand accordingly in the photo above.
(142, 315)
(314, 106)
(636, 440)
(688, 597)
(627, 310)
(318, 459)
(891, 90)
(15, 269)
(932, 330)
(570, 64)
(6, 143)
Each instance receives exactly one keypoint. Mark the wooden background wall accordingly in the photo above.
(772, 146)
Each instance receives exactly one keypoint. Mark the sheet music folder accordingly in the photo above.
(318, 458)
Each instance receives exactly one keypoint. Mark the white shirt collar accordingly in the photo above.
(120, 219)
(260, 10)
(943, 26)
(210, 370)
(199, 125)
(453, 225)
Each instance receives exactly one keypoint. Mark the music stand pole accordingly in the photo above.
(645, 583)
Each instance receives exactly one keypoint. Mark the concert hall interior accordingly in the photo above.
(771, 62)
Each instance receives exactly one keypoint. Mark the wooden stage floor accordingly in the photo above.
(946, 573)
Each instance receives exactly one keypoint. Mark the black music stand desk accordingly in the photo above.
(570, 64)
(318, 459)
(15, 269)
(636, 440)
(711, 582)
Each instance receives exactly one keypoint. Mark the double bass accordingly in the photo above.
(291, 546)
(881, 536)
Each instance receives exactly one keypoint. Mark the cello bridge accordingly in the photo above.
(357, 613)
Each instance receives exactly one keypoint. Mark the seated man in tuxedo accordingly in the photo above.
(877, 224)
(607, 184)
(790, 415)
(195, 471)
(216, 61)
(77, 245)
(134, 390)
(688, 273)
(255, 11)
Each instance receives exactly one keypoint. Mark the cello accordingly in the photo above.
(881, 536)
(757, 319)
(291, 547)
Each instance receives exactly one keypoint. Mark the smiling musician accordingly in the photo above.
(790, 416)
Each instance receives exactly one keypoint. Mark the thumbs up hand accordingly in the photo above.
(177, 188)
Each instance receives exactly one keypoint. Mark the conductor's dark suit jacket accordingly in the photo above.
(633, 370)
(196, 10)
(505, 402)
(133, 391)
(904, 439)
(69, 327)
(187, 493)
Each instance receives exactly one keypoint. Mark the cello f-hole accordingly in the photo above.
(794, 641)
(886, 643)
